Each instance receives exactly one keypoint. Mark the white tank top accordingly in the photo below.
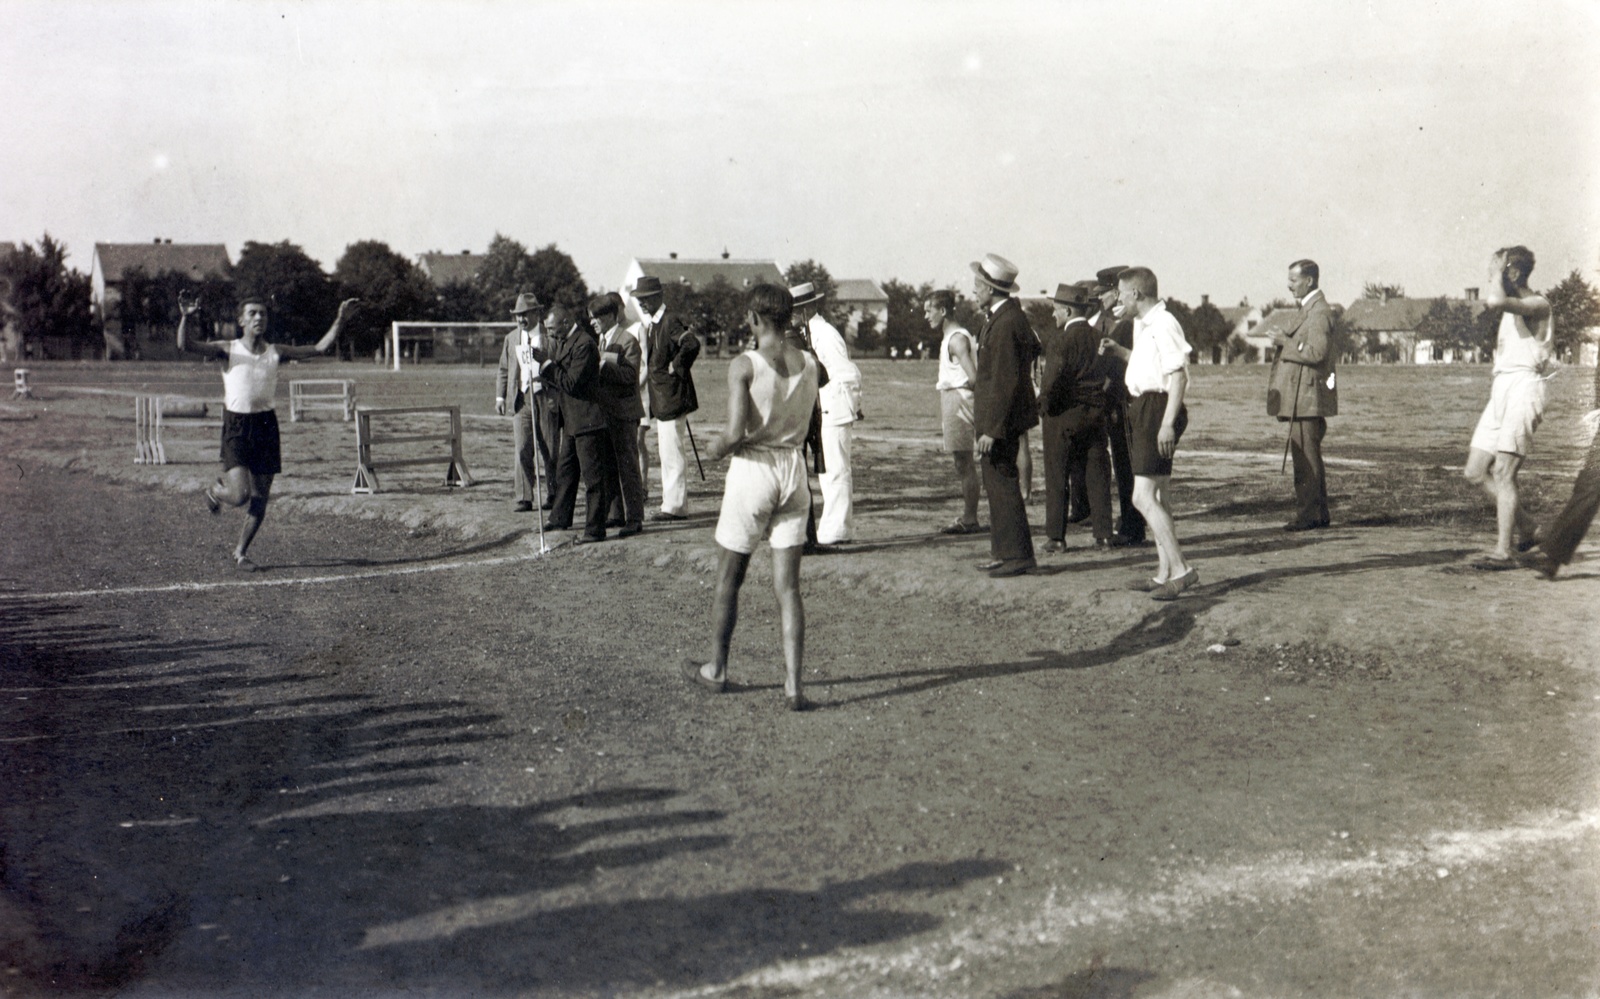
(1516, 350)
(951, 374)
(780, 408)
(250, 381)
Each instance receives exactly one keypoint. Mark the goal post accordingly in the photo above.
(423, 342)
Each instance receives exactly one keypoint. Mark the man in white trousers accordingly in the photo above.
(670, 349)
(841, 408)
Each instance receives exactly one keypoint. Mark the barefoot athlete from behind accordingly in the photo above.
(771, 390)
(249, 425)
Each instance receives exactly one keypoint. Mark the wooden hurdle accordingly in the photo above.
(321, 393)
(150, 420)
(366, 480)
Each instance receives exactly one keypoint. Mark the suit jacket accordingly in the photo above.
(1003, 403)
(508, 379)
(1116, 369)
(618, 391)
(672, 345)
(575, 369)
(840, 395)
(1302, 380)
(1074, 372)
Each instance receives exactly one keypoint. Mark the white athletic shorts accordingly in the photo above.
(766, 495)
(955, 417)
(1516, 405)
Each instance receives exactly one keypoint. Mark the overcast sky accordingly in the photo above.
(1399, 140)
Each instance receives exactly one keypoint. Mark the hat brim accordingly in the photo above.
(522, 312)
(646, 293)
(977, 268)
(813, 300)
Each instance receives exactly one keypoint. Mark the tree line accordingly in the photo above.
(42, 298)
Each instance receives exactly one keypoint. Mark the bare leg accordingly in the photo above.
(967, 469)
(1149, 497)
(257, 511)
(233, 488)
(786, 581)
(731, 568)
(1496, 474)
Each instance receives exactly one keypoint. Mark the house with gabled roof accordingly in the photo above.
(451, 268)
(113, 262)
(1389, 327)
(700, 273)
(857, 298)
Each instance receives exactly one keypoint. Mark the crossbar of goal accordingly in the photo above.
(418, 340)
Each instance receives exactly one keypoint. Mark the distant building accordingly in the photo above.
(1389, 325)
(699, 274)
(109, 269)
(858, 298)
(451, 268)
(1245, 318)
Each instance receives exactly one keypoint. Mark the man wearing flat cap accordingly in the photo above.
(670, 349)
(1073, 399)
(532, 416)
(1003, 409)
(840, 402)
(1110, 324)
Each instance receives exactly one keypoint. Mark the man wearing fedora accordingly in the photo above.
(532, 415)
(1074, 417)
(1003, 409)
(670, 349)
(840, 400)
(1111, 324)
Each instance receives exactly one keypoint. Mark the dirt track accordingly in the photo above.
(416, 757)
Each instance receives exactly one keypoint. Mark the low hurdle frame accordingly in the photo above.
(149, 423)
(322, 393)
(366, 480)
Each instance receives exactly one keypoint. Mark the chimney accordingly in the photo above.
(673, 255)
(157, 240)
(1205, 299)
(724, 253)
(466, 253)
(1472, 294)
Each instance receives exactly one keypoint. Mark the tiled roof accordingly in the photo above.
(450, 268)
(1234, 313)
(194, 259)
(1397, 313)
(700, 273)
(858, 290)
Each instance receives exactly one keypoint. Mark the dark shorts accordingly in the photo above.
(250, 440)
(1144, 423)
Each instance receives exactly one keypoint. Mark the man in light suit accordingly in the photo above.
(1301, 391)
(670, 349)
(840, 399)
(532, 415)
(1003, 409)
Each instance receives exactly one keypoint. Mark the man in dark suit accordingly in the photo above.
(1108, 324)
(1004, 408)
(618, 394)
(1302, 393)
(572, 362)
(670, 351)
(1074, 417)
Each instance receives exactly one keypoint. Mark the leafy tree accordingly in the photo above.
(463, 302)
(1575, 307)
(1379, 290)
(1210, 331)
(300, 298)
(1452, 327)
(1041, 316)
(45, 298)
(390, 287)
(1185, 317)
(868, 339)
(907, 325)
(809, 270)
(715, 313)
(509, 269)
(1241, 349)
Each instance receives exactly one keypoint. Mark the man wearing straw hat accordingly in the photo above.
(1003, 409)
(840, 398)
(669, 349)
(532, 423)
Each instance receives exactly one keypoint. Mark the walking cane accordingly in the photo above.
(1294, 411)
(538, 476)
(695, 448)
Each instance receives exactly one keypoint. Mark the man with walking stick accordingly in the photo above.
(1302, 393)
(670, 351)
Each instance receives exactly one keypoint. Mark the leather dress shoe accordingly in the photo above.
(629, 530)
(1054, 546)
(588, 539)
(548, 504)
(551, 525)
(1013, 567)
(663, 515)
(615, 522)
(1305, 525)
(991, 565)
(524, 506)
